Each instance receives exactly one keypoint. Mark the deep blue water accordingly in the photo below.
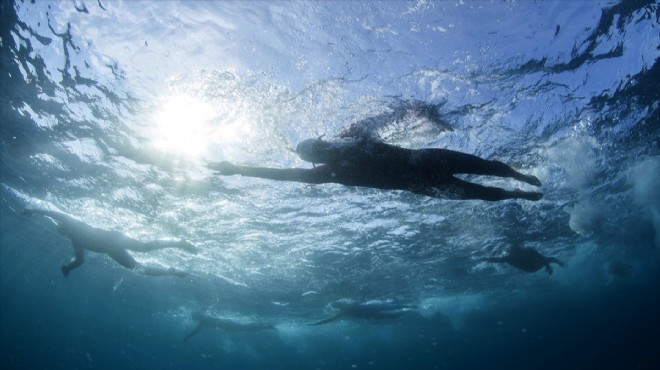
(110, 111)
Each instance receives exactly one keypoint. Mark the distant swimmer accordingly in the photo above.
(372, 310)
(206, 320)
(526, 259)
(112, 243)
(369, 163)
(619, 269)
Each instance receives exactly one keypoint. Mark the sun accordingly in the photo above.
(195, 128)
(182, 126)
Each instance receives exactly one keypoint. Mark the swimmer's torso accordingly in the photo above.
(527, 259)
(94, 239)
(380, 165)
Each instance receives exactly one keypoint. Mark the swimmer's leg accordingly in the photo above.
(458, 189)
(310, 176)
(193, 332)
(160, 271)
(125, 259)
(138, 246)
(77, 260)
(457, 162)
(554, 260)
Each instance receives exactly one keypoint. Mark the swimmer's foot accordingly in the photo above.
(65, 270)
(532, 180)
(529, 195)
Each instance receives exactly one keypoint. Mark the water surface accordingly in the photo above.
(110, 111)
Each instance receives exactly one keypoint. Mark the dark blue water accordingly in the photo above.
(110, 111)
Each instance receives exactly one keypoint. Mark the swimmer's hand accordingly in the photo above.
(223, 168)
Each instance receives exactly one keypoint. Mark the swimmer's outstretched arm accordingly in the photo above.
(310, 176)
(325, 321)
(52, 214)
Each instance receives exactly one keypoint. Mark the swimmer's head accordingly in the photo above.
(317, 151)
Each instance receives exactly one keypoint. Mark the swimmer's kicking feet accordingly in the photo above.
(112, 243)
(373, 164)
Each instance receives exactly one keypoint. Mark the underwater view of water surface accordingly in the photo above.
(115, 115)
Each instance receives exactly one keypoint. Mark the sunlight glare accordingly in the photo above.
(191, 127)
(183, 126)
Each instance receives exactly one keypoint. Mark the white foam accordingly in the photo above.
(454, 307)
(576, 157)
(584, 218)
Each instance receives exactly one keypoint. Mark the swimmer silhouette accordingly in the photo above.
(368, 163)
(619, 269)
(526, 259)
(206, 320)
(373, 310)
(112, 243)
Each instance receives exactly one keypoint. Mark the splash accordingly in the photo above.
(456, 308)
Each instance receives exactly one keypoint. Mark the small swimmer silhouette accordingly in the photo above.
(619, 269)
(206, 320)
(112, 243)
(525, 258)
(372, 310)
